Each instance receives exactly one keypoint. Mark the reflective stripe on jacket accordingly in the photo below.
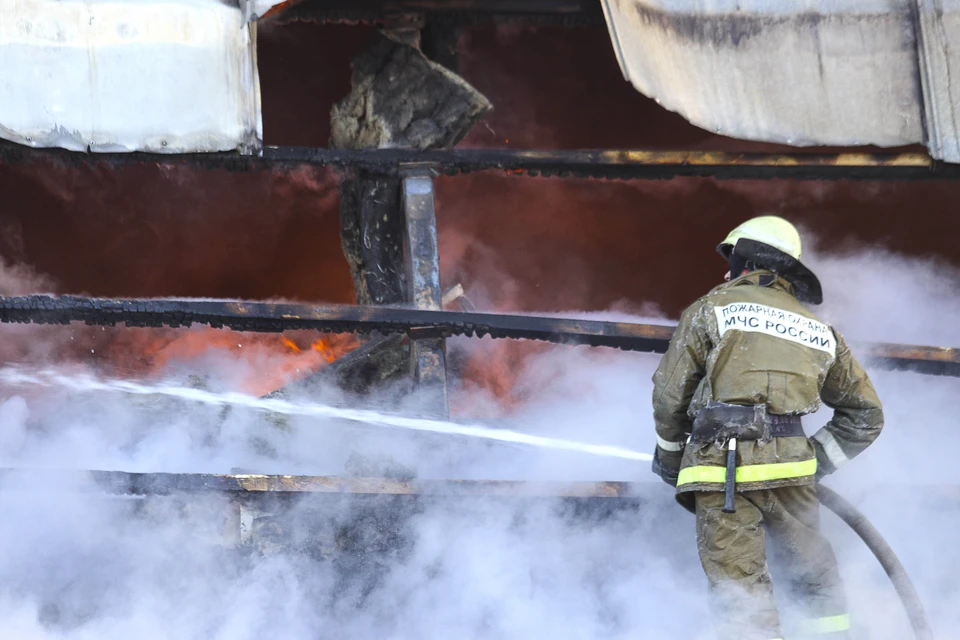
(749, 342)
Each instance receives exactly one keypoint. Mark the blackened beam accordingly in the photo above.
(637, 164)
(277, 317)
(459, 12)
(124, 483)
(418, 323)
(585, 163)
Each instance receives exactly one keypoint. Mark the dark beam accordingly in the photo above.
(416, 323)
(585, 163)
(371, 227)
(639, 164)
(572, 13)
(123, 483)
(268, 317)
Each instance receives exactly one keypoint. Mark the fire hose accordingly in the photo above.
(885, 555)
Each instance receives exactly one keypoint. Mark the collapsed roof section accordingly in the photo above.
(799, 72)
(166, 76)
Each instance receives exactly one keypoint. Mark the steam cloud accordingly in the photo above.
(84, 566)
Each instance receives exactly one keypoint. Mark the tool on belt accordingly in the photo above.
(726, 424)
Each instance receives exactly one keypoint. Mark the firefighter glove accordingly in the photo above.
(824, 466)
(666, 464)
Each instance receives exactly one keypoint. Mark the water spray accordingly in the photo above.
(87, 383)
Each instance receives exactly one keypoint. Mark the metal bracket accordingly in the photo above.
(422, 262)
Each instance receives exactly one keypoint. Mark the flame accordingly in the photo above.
(321, 347)
(268, 363)
(290, 344)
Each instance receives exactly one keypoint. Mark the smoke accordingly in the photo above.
(86, 566)
(78, 565)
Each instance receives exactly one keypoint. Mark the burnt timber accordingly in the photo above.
(399, 98)
(570, 13)
(124, 483)
(416, 323)
(622, 164)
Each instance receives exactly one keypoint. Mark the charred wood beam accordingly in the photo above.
(582, 163)
(400, 99)
(124, 483)
(571, 13)
(273, 317)
(371, 229)
(639, 164)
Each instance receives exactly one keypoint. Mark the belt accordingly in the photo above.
(782, 426)
(724, 424)
(719, 422)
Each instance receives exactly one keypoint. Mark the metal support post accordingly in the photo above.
(422, 263)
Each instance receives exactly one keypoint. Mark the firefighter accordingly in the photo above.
(747, 361)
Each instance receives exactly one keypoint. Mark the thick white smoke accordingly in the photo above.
(83, 565)
(903, 483)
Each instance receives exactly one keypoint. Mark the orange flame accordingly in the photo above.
(290, 344)
(271, 363)
(321, 347)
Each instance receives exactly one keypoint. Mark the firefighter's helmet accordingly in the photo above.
(773, 243)
(770, 230)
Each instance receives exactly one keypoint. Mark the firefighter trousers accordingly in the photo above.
(733, 548)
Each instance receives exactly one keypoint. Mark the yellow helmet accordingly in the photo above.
(770, 230)
(774, 243)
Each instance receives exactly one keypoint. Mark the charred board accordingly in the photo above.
(268, 317)
(125, 483)
(416, 323)
(619, 164)
(569, 13)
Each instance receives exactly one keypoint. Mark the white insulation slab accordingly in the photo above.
(165, 76)
(799, 72)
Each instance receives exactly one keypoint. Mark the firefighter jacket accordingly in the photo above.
(750, 342)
